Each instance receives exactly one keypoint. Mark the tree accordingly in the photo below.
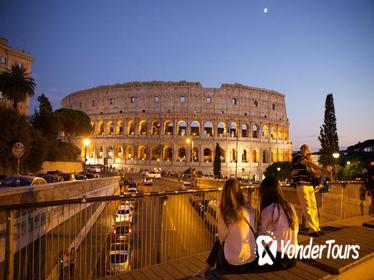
(217, 162)
(328, 134)
(16, 84)
(73, 122)
(279, 170)
(45, 120)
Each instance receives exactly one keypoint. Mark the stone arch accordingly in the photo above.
(100, 128)
(155, 128)
(233, 128)
(119, 151)
(131, 127)
(120, 128)
(255, 131)
(255, 155)
(167, 154)
(156, 152)
(109, 152)
(93, 128)
(168, 127)
(265, 131)
(265, 156)
(195, 154)
(182, 128)
(221, 129)
(142, 152)
(195, 128)
(110, 127)
(100, 152)
(181, 154)
(233, 155)
(223, 155)
(208, 155)
(208, 129)
(280, 155)
(130, 152)
(143, 127)
(274, 156)
(273, 132)
(280, 133)
(245, 156)
(245, 130)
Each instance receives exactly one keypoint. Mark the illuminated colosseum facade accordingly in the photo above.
(176, 125)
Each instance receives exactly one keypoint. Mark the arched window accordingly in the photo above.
(233, 155)
(181, 155)
(280, 133)
(255, 131)
(208, 155)
(168, 128)
(233, 129)
(131, 127)
(195, 128)
(168, 154)
(182, 128)
(208, 129)
(93, 128)
(245, 132)
(119, 152)
(155, 128)
(273, 132)
(273, 156)
(143, 127)
(221, 127)
(142, 153)
(280, 155)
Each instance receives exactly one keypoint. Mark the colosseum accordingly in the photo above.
(176, 125)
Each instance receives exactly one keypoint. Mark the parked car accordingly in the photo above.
(80, 176)
(118, 261)
(122, 232)
(92, 175)
(123, 214)
(154, 174)
(2, 178)
(52, 178)
(22, 180)
(147, 181)
(68, 176)
(133, 188)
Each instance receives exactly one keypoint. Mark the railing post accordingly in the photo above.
(9, 245)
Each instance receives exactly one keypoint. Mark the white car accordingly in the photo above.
(147, 181)
(118, 261)
(124, 214)
(186, 185)
(154, 174)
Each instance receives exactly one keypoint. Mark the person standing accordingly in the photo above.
(72, 259)
(303, 169)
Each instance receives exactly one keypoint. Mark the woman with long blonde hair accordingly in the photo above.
(234, 251)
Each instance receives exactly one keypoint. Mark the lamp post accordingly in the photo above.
(336, 155)
(86, 142)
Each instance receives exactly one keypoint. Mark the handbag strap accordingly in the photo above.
(253, 231)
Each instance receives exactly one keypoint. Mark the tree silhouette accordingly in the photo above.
(328, 133)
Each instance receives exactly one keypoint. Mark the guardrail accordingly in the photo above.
(99, 236)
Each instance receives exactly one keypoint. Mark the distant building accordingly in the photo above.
(8, 57)
(363, 151)
(176, 125)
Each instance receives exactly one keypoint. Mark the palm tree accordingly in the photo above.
(16, 84)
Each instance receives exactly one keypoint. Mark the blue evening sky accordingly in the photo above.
(304, 49)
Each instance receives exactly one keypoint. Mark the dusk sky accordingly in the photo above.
(304, 49)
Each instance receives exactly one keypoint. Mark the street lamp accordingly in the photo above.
(86, 143)
(336, 155)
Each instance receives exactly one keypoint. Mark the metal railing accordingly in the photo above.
(95, 237)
